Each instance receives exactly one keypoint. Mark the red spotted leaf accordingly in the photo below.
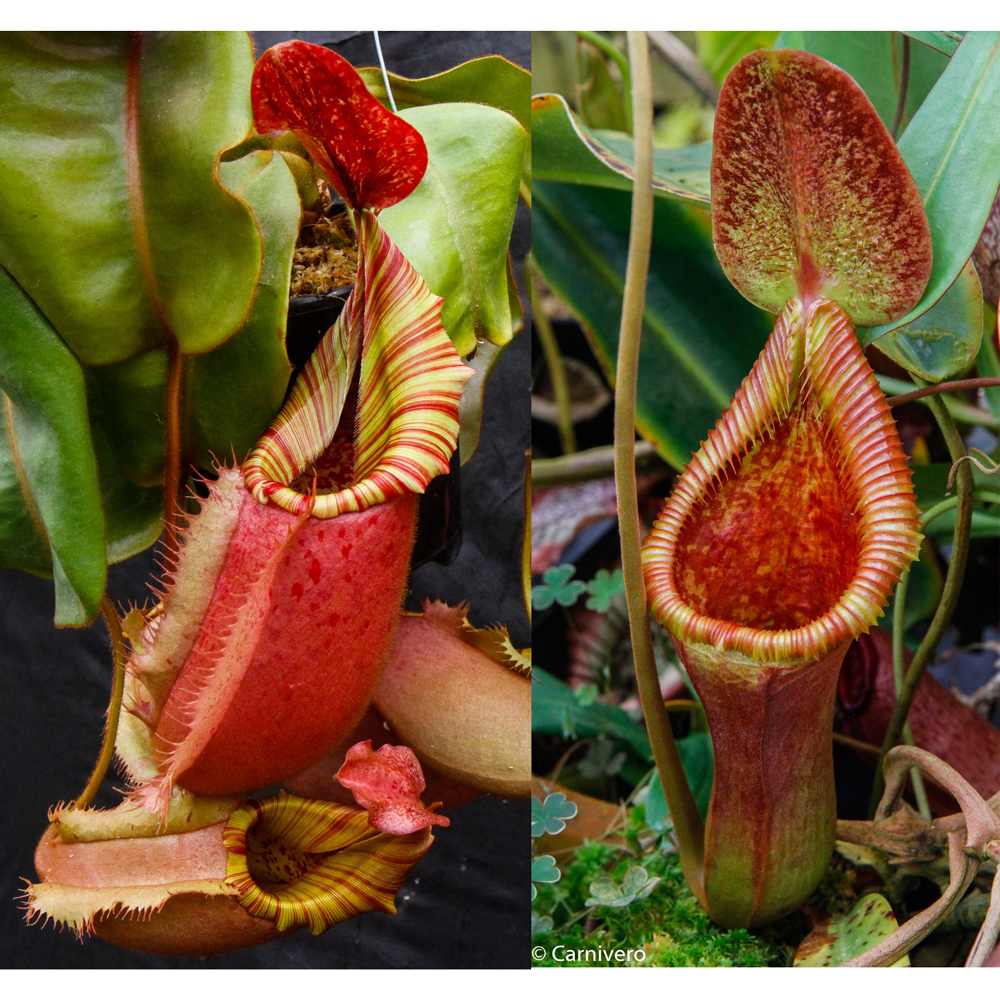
(810, 196)
(388, 782)
(371, 156)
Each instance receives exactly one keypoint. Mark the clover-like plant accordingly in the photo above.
(636, 884)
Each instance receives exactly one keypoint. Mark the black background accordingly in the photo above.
(465, 905)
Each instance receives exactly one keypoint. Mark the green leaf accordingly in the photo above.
(838, 939)
(700, 336)
(122, 234)
(564, 149)
(559, 586)
(490, 80)
(556, 712)
(952, 148)
(543, 869)
(550, 816)
(455, 227)
(636, 883)
(943, 41)
(232, 393)
(603, 587)
(698, 760)
(945, 340)
(52, 519)
(719, 51)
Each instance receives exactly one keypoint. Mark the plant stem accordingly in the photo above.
(114, 708)
(959, 410)
(931, 390)
(553, 361)
(904, 84)
(614, 53)
(687, 821)
(949, 594)
(593, 463)
(898, 621)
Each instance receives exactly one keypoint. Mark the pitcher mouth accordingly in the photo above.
(298, 862)
(790, 526)
(411, 380)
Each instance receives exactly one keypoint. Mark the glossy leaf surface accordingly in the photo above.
(952, 148)
(490, 80)
(231, 394)
(113, 218)
(66, 509)
(564, 149)
(945, 340)
(700, 337)
(810, 196)
(371, 156)
(944, 42)
(455, 227)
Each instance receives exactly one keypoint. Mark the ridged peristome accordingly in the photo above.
(290, 861)
(411, 381)
(812, 369)
(360, 869)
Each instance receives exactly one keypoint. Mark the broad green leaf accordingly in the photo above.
(944, 42)
(564, 149)
(945, 340)
(112, 217)
(840, 938)
(556, 711)
(719, 51)
(490, 80)
(231, 394)
(46, 445)
(952, 148)
(455, 227)
(700, 336)
(52, 519)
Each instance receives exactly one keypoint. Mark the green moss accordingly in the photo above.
(669, 928)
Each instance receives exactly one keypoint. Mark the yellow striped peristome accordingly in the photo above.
(221, 875)
(406, 424)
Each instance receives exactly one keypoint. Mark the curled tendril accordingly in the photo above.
(980, 825)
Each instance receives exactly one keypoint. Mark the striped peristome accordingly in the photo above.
(316, 863)
(412, 378)
(811, 369)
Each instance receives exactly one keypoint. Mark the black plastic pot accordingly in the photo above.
(439, 525)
